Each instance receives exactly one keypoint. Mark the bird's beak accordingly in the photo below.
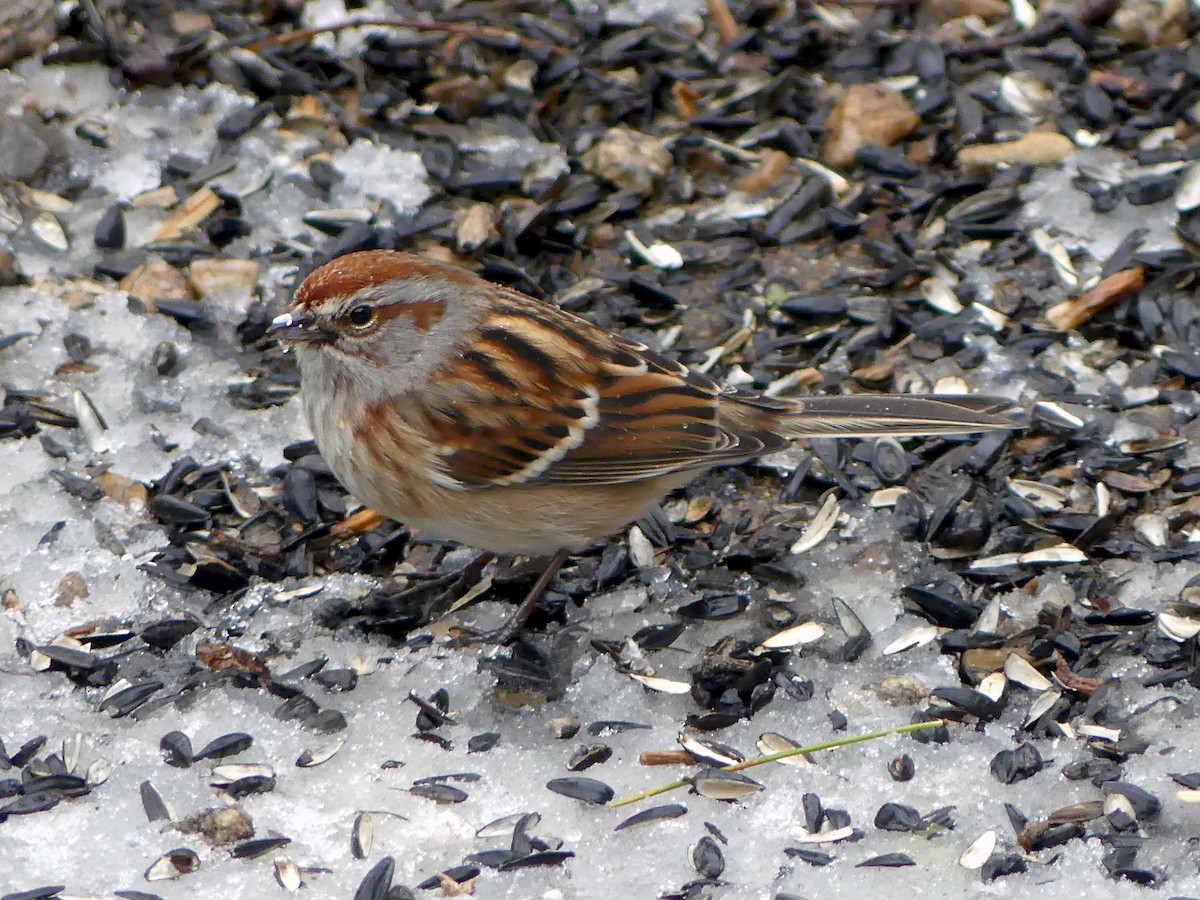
(298, 326)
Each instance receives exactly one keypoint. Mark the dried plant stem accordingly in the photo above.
(783, 754)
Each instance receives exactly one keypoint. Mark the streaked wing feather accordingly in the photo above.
(543, 397)
(615, 471)
(872, 415)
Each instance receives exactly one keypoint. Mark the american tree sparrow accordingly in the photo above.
(482, 415)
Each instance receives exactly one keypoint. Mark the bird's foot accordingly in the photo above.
(514, 625)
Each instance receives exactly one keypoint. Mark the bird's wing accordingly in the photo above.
(544, 397)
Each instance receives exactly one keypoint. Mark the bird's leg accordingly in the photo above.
(453, 586)
(514, 624)
(429, 597)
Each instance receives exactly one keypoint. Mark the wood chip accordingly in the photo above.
(356, 523)
(194, 210)
(1071, 314)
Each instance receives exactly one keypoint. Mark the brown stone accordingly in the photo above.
(187, 23)
(629, 159)
(866, 114)
(221, 657)
(771, 166)
(236, 277)
(220, 825)
(466, 95)
(124, 490)
(71, 588)
(684, 96)
(475, 226)
(188, 215)
(159, 198)
(1038, 148)
(899, 690)
(156, 280)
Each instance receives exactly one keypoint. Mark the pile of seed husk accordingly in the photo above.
(825, 197)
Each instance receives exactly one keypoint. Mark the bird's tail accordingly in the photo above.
(901, 415)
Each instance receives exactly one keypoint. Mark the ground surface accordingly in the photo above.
(849, 214)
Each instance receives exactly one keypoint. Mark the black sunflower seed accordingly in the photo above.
(439, 793)
(706, 858)
(258, 847)
(999, 865)
(541, 858)
(653, 814)
(38, 893)
(589, 790)
(887, 861)
(177, 749)
(589, 755)
(226, 745)
(378, 881)
(901, 768)
(1145, 804)
(1011, 766)
(481, 743)
(457, 874)
(166, 634)
(812, 857)
(492, 859)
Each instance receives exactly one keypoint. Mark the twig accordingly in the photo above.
(667, 758)
(783, 754)
(468, 30)
(1070, 314)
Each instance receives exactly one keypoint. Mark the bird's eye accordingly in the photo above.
(361, 315)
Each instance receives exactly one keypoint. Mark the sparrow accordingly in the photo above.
(477, 413)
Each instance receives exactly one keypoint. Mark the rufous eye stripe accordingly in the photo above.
(424, 313)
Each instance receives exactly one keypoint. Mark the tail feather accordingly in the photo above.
(900, 415)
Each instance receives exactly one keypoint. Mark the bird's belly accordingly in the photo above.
(532, 520)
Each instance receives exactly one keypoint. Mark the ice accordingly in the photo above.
(347, 42)
(75, 90)
(630, 12)
(134, 404)
(542, 162)
(1052, 200)
(103, 843)
(140, 145)
(376, 172)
